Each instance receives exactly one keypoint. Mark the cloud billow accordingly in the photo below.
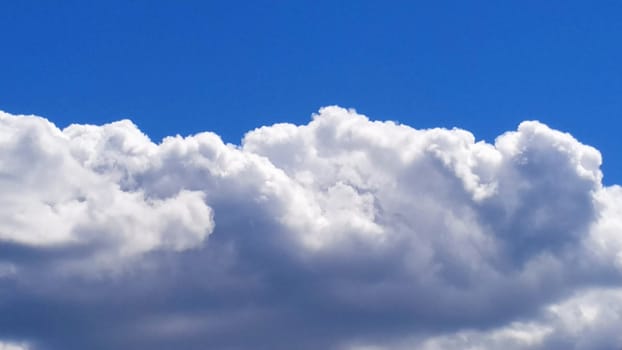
(342, 234)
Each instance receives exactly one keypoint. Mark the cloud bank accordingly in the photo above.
(344, 234)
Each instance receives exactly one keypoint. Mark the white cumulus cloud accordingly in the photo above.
(344, 233)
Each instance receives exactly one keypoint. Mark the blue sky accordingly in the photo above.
(340, 233)
(182, 67)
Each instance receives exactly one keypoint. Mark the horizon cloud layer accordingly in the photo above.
(343, 233)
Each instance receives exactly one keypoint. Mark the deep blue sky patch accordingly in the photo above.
(183, 67)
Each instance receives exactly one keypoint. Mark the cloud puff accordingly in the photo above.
(57, 198)
(343, 233)
(12, 346)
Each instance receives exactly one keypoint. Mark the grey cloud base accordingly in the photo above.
(342, 234)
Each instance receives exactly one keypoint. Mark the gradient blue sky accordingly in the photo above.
(183, 67)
